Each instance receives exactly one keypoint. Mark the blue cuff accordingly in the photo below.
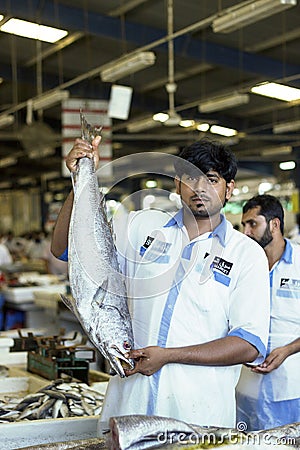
(64, 255)
(255, 341)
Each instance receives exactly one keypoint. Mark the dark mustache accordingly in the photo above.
(200, 197)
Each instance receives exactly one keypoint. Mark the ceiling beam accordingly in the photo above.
(76, 19)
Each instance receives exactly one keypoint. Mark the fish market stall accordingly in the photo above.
(35, 411)
(42, 401)
(20, 295)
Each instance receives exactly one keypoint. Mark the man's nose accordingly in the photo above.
(201, 184)
(247, 230)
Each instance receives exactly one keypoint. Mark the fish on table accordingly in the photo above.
(57, 400)
(97, 286)
(138, 432)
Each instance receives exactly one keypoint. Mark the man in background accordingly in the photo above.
(268, 395)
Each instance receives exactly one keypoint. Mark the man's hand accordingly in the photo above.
(273, 360)
(148, 360)
(81, 149)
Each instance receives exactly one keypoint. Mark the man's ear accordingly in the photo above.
(229, 189)
(177, 185)
(275, 224)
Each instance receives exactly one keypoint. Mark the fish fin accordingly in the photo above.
(70, 304)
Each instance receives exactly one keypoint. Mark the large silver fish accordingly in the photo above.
(96, 284)
(139, 432)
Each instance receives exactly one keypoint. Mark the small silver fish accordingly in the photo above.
(97, 286)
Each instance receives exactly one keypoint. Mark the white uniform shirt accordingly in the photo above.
(285, 320)
(181, 293)
(273, 399)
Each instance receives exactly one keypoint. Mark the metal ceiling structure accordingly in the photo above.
(206, 65)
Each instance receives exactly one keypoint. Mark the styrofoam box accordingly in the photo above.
(36, 432)
(15, 435)
(26, 294)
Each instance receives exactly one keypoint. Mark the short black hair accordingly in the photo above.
(207, 155)
(270, 208)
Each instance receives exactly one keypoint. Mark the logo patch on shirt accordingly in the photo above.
(148, 241)
(222, 265)
(289, 283)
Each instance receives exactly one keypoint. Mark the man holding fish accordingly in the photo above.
(198, 294)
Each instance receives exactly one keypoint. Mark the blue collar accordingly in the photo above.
(176, 220)
(288, 252)
(219, 231)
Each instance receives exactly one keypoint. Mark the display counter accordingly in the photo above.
(18, 434)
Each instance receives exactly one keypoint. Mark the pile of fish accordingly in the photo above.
(98, 288)
(57, 400)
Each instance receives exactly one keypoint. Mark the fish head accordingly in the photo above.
(117, 356)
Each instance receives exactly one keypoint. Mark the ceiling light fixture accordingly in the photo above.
(33, 30)
(203, 127)
(6, 120)
(277, 91)
(49, 99)
(287, 165)
(187, 123)
(143, 124)
(8, 161)
(273, 151)
(285, 127)
(160, 117)
(223, 131)
(247, 13)
(224, 102)
(40, 153)
(127, 65)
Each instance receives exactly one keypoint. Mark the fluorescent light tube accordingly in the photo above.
(278, 91)
(187, 123)
(273, 151)
(219, 103)
(49, 99)
(33, 30)
(287, 165)
(8, 161)
(249, 12)
(160, 117)
(223, 131)
(203, 127)
(142, 124)
(127, 65)
(285, 127)
(6, 120)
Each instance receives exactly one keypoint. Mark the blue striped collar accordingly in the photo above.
(287, 255)
(219, 231)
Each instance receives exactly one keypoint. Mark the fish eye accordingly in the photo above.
(126, 345)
